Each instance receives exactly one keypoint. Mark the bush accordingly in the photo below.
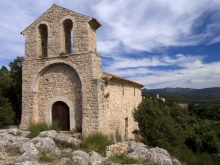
(6, 113)
(122, 159)
(96, 141)
(156, 125)
(36, 128)
(44, 156)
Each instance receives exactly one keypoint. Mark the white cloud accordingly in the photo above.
(191, 71)
(148, 25)
(132, 26)
(106, 47)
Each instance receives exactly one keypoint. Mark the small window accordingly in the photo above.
(123, 92)
(134, 90)
(42, 40)
(67, 39)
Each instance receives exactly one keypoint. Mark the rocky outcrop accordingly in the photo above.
(16, 148)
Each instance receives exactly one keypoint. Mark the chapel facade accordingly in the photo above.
(63, 81)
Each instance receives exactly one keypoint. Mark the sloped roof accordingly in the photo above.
(124, 80)
(93, 22)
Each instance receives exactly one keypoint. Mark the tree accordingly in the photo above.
(15, 91)
(11, 85)
(5, 81)
(6, 112)
(156, 124)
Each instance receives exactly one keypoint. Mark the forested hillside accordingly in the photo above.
(206, 96)
(191, 134)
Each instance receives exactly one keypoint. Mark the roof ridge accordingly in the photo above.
(55, 5)
(123, 79)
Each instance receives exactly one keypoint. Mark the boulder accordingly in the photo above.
(74, 141)
(80, 157)
(47, 144)
(51, 134)
(116, 149)
(28, 163)
(158, 155)
(30, 153)
(95, 158)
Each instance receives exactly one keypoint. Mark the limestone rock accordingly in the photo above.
(30, 153)
(95, 158)
(74, 141)
(51, 134)
(46, 144)
(28, 163)
(65, 160)
(116, 149)
(158, 155)
(80, 157)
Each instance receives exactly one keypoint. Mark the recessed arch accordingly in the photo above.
(67, 17)
(34, 86)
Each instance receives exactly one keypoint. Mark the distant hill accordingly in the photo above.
(206, 96)
(168, 90)
(189, 91)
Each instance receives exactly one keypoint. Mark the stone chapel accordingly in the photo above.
(62, 78)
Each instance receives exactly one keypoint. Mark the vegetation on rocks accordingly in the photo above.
(97, 142)
(177, 130)
(36, 128)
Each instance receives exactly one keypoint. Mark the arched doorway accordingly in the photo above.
(60, 113)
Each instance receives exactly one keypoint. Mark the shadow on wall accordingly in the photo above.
(116, 137)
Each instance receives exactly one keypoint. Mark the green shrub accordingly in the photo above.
(64, 145)
(6, 113)
(97, 142)
(44, 157)
(54, 126)
(188, 157)
(13, 151)
(122, 159)
(36, 128)
(62, 53)
(156, 125)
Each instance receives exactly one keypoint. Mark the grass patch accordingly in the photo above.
(36, 128)
(44, 156)
(97, 142)
(64, 145)
(14, 151)
(66, 155)
(122, 159)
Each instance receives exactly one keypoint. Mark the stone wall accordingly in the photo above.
(120, 99)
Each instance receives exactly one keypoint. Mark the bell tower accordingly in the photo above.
(61, 68)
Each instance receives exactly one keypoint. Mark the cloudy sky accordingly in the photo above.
(159, 43)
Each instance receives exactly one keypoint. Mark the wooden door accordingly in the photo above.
(60, 113)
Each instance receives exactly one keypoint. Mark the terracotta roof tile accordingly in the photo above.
(115, 77)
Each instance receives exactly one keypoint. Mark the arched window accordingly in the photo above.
(67, 39)
(42, 40)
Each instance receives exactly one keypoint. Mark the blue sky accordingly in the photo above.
(159, 43)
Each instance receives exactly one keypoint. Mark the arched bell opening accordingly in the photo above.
(67, 37)
(42, 40)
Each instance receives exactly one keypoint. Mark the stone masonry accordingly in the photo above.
(61, 64)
